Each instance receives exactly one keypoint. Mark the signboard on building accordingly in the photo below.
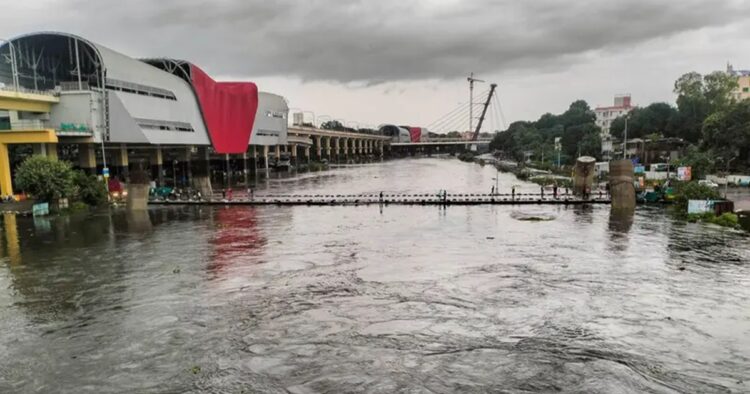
(639, 169)
(685, 174)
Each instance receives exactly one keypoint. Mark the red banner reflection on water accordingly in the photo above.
(237, 238)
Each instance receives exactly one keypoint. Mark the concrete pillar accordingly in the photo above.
(327, 146)
(265, 157)
(621, 185)
(188, 165)
(293, 154)
(318, 147)
(278, 151)
(227, 172)
(337, 148)
(157, 166)
(253, 160)
(6, 185)
(245, 170)
(120, 161)
(48, 150)
(200, 171)
(360, 147)
(87, 158)
(307, 153)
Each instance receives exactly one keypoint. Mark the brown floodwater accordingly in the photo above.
(374, 299)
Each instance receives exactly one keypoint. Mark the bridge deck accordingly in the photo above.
(397, 199)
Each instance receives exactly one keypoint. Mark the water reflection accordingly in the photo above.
(237, 239)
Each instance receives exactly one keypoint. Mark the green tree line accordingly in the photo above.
(707, 116)
(579, 135)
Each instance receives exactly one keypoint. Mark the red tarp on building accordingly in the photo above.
(416, 134)
(228, 109)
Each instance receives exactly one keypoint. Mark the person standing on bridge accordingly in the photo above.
(493, 190)
(513, 193)
(554, 191)
(542, 192)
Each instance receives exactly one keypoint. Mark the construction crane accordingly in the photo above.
(484, 112)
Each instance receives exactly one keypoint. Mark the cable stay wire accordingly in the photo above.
(456, 123)
(463, 106)
(502, 114)
(458, 117)
(499, 124)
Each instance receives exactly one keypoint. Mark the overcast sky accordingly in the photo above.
(406, 62)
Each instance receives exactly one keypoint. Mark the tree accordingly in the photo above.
(582, 140)
(88, 189)
(45, 179)
(578, 113)
(727, 132)
(702, 163)
(657, 118)
(718, 88)
(333, 125)
(698, 97)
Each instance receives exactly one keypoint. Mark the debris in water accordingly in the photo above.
(532, 216)
(195, 370)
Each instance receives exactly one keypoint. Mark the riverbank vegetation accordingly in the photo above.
(686, 191)
(708, 117)
(727, 219)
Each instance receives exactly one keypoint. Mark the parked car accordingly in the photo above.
(711, 184)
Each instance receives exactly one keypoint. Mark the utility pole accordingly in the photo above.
(625, 143)
(471, 80)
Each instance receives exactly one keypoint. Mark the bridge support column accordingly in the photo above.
(293, 148)
(328, 148)
(265, 157)
(345, 149)
(337, 148)
(318, 147)
(157, 165)
(307, 154)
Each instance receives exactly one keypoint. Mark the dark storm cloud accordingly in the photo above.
(381, 40)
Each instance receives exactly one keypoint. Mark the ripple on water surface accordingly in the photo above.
(370, 299)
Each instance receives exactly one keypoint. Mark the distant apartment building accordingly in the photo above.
(606, 115)
(743, 80)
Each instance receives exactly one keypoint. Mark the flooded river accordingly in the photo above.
(370, 299)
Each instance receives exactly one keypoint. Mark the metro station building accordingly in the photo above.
(64, 96)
